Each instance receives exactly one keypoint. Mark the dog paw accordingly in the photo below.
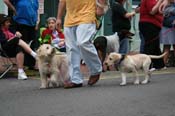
(145, 82)
(122, 84)
(42, 87)
(136, 83)
(54, 85)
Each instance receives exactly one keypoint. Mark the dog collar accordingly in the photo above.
(122, 58)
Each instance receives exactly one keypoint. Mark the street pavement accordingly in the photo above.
(106, 98)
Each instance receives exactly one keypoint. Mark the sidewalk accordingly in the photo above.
(105, 75)
(108, 74)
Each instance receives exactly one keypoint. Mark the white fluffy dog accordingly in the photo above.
(53, 67)
(132, 63)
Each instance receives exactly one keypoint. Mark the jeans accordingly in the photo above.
(142, 42)
(124, 46)
(79, 45)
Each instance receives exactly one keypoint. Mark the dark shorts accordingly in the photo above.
(11, 48)
(28, 35)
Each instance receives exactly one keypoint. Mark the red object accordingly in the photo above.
(145, 16)
(49, 32)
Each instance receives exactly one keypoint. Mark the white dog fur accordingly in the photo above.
(132, 63)
(53, 67)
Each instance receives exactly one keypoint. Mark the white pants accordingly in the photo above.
(79, 45)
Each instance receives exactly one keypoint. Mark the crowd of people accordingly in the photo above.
(80, 24)
(156, 27)
(13, 45)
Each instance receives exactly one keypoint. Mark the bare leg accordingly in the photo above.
(20, 60)
(166, 49)
(25, 46)
(174, 49)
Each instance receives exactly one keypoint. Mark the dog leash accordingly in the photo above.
(98, 29)
(105, 7)
(163, 34)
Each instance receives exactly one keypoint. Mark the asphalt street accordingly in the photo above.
(106, 98)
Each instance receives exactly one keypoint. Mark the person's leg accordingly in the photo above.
(88, 52)
(13, 49)
(73, 53)
(26, 47)
(174, 54)
(28, 35)
(124, 46)
(20, 60)
(167, 50)
(20, 65)
(142, 42)
(155, 48)
(152, 45)
(174, 49)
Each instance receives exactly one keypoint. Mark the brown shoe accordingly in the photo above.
(72, 85)
(93, 79)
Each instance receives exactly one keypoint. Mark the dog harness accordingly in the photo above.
(116, 64)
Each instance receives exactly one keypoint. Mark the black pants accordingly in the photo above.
(11, 47)
(152, 46)
(28, 35)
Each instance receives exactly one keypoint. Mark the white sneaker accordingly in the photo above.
(164, 67)
(152, 69)
(22, 76)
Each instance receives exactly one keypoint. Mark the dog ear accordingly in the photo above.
(40, 52)
(53, 51)
(114, 56)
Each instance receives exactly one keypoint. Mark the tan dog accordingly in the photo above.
(132, 63)
(53, 67)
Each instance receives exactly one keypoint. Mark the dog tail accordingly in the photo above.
(157, 57)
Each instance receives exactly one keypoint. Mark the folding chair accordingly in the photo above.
(6, 62)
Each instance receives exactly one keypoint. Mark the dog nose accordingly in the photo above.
(106, 63)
